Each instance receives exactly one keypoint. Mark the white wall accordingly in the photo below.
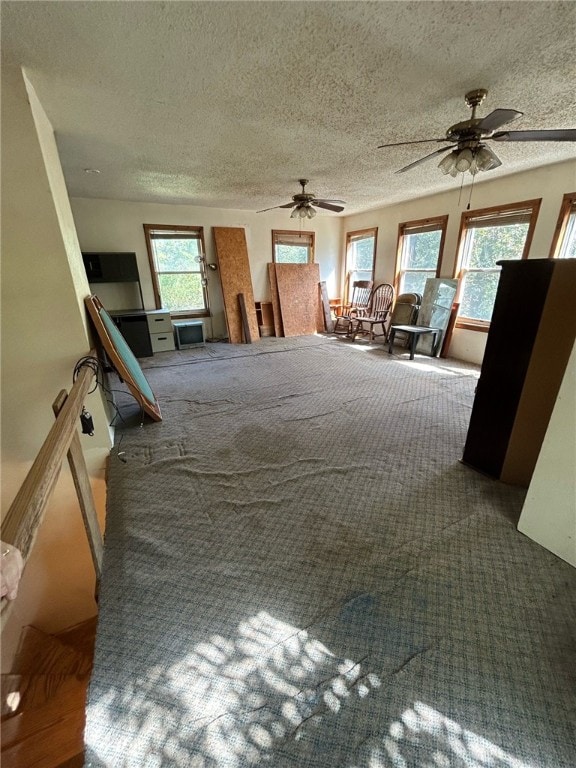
(113, 225)
(43, 335)
(549, 513)
(110, 225)
(549, 183)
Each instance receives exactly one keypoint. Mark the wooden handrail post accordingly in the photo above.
(22, 520)
(81, 479)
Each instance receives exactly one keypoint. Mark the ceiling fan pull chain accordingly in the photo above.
(471, 189)
(460, 192)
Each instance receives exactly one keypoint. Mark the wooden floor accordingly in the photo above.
(44, 699)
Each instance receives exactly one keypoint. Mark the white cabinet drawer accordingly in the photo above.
(159, 322)
(163, 342)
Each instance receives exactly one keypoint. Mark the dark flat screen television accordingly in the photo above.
(188, 333)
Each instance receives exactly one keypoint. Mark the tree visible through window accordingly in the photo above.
(420, 244)
(489, 236)
(290, 247)
(177, 262)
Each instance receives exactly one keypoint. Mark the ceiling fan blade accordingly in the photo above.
(327, 206)
(328, 200)
(427, 157)
(563, 134)
(286, 205)
(403, 143)
(498, 118)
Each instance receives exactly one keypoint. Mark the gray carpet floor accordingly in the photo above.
(300, 572)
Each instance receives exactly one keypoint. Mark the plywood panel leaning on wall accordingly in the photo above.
(299, 294)
(232, 255)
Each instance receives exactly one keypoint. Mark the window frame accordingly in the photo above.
(567, 208)
(469, 323)
(357, 233)
(311, 245)
(149, 230)
(442, 222)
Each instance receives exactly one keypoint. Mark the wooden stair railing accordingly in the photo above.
(26, 512)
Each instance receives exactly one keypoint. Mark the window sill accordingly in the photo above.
(473, 325)
(189, 315)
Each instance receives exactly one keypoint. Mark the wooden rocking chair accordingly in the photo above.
(376, 315)
(359, 298)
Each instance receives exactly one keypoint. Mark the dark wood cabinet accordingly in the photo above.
(116, 267)
(111, 267)
(134, 327)
(531, 337)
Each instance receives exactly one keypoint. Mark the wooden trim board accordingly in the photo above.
(328, 322)
(244, 318)
(278, 327)
(234, 267)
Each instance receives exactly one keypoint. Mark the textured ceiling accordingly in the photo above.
(227, 104)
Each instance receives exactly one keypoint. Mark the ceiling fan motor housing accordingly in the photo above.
(303, 197)
(467, 133)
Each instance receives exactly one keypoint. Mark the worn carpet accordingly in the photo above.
(300, 572)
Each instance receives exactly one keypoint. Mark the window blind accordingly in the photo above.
(421, 229)
(518, 216)
(296, 238)
(163, 235)
(367, 235)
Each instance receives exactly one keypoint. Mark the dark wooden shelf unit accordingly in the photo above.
(531, 337)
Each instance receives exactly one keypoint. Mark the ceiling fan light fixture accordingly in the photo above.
(464, 161)
(486, 159)
(303, 211)
(448, 163)
(469, 160)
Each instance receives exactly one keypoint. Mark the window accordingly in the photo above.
(564, 240)
(290, 247)
(420, 246)
(177, 264)
(486, 237)
(360, 256)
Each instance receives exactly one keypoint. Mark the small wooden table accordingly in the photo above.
(414, 331)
